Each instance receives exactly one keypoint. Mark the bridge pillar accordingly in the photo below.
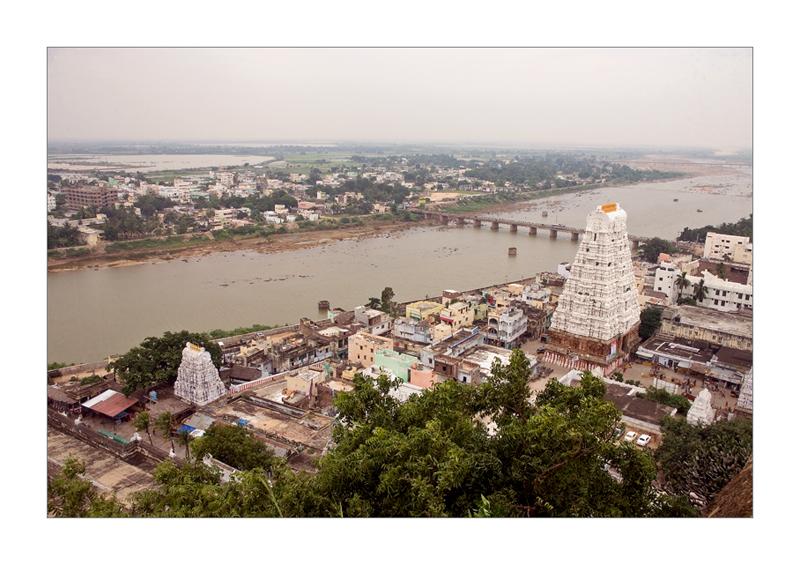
(476, 223)
(553, 234)
(634, 245)
(531, 230)
(574, 236)
(495, 226)
(513, 228)
(444, 219)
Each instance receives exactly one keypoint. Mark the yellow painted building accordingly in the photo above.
(423, 309)
(458, 315)
(361, 347)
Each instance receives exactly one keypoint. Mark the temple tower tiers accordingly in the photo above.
(596, 322)
(701, 412)
(198, 379)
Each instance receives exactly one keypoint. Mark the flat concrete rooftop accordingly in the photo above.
(734, 323)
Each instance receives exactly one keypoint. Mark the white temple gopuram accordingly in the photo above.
(701, 412)
(596, 323)
(198, 379)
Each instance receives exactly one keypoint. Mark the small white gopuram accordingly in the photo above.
(198, 379)
(701, 412)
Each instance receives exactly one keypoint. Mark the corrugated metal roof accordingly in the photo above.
(110, 403)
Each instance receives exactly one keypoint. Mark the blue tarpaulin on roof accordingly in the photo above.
(241, 422)
(185, 428)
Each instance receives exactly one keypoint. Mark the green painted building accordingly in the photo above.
(398, 364)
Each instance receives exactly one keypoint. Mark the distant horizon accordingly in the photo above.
(297, 142)
(515, 97)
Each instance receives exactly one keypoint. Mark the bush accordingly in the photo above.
(663, 397)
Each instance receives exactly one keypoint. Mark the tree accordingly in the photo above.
(654, 247)
(700, 291)
(185, 438)
(703, 459)
(65, 236)
(386, 300)
(649, 322)
(452, 450)
(374, 303)
(235, 446)
(70, 495)
(681, 281)
(155, 361)
(164, 426)
(141, 423)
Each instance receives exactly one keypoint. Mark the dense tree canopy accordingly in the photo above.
(65, 236)
(742, 227)
(150, 204)
(235, 446)
(453, 450)
(156, 360)
(649, 321)
(654, 247)
(702, 459)
(72, 496)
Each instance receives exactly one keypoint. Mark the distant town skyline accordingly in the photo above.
(571, 98)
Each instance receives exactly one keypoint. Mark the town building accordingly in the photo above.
(377, 322)
(722, 294)
(398, 364)
(198, 380)
(596, 322)
(505, 326)
(362, 346)
(82, 196)
(423, 309)
(536, 295)
(457, 315)
(698, 357)
(723, 247)
(637, 412)
(417, 331)
(731, 329)
(51, 202)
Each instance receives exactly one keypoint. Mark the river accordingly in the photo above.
(94, 313)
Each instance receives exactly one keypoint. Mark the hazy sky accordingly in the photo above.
(655, 97)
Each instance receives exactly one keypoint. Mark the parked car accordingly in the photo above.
(630, 436)
(643, 440)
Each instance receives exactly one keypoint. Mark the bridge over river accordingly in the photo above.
(478, 221)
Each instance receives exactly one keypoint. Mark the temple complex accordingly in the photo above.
(198, 379)
(596, 323)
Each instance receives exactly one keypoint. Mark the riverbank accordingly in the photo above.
(195, 247)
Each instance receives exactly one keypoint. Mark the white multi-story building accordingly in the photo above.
(228, 179)
(51, 202)
(666, 281)
(505, 326)
(536, 295)
(722, 247)
(724, 295)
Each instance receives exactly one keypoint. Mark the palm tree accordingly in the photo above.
(700, 291)
(681, 282)
(164, 425)
(185, 439)
(142, 424)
